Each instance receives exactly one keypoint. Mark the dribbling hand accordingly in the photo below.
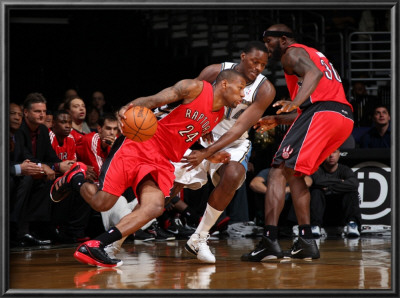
(121, 114)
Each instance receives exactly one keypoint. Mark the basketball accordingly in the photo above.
(140, 124)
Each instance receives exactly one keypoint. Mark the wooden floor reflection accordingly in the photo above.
(344, 264)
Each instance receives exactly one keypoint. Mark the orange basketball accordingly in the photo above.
(140, 124)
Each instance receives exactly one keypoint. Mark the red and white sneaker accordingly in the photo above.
(61, 187)
(92, 253)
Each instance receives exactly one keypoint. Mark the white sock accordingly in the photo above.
(209, 219)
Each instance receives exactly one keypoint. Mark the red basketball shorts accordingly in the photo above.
(317, 131)
(129, 162)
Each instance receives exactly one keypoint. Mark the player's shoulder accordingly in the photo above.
(210, 72)
(265, 88)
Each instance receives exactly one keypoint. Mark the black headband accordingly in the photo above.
(278, 34)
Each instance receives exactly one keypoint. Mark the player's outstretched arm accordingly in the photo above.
(186, 90)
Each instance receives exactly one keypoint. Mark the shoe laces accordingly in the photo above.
(352, 225)
(202, 241)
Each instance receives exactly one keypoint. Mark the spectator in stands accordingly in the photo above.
(26, 167)
(77, 109)
(31, 215)
(100, 103)
(69, 93)
(362, 103)
(93, 116)
(334, 197)
(71, 216)
(95, 146)
(379, 135)
(60, 138)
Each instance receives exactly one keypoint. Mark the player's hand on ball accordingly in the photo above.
(121, 115)
(220, 157)
(139, 123)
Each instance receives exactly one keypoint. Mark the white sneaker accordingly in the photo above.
(351, 230)
(197, 245)
(316, 231)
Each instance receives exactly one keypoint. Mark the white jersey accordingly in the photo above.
(232, 114)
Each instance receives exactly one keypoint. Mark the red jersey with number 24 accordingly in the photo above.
(330, 86)
(186, 124)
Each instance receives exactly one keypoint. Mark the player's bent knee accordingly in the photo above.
(103, 201)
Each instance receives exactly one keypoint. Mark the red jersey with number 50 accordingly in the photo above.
(330, 86)
(184, 125)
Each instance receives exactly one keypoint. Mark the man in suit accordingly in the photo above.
(32, 213)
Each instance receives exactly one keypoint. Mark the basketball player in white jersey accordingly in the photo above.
(230, 135)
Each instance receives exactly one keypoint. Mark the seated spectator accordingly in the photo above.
(100, 103)
(77, 109)
(334, 197)
(25, 168)
(71, 216)
(379, 135)
(31, 215)
(61, 140)
(69, 93)
(362, 103)
(94, 147)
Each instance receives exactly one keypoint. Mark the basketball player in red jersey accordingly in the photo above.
(323, 121)
(146, 166)
(61, 139)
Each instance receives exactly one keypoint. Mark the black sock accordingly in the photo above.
(271, 232)
(77, 181)
(305, 232)
(112, 235)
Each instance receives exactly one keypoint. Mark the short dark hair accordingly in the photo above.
(58, 113)
(107, 116)
(228, 74)
(32, 98)
(380, 105)
(255, 44)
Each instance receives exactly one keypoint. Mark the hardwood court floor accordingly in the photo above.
(363, 263)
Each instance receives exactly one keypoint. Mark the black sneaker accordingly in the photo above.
(141, 235)
(92, 253)
(159, 233)
(304, 249)
(266, 249)
(179, 230)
